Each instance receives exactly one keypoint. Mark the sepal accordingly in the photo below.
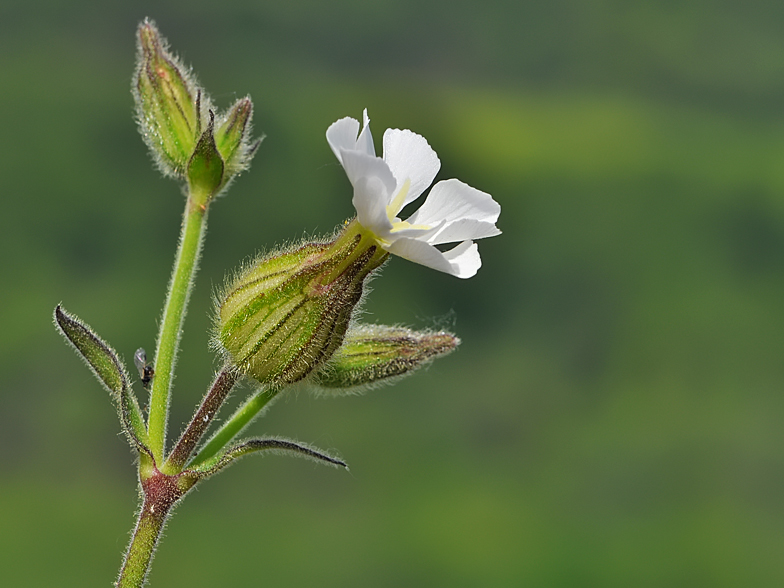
(110, 371)
(374, 354)
(224, 459)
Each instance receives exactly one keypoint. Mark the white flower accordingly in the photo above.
(453, 211)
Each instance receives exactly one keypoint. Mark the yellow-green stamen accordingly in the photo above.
(397, 202)
(396, 206)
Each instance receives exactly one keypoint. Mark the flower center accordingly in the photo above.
(396, 206)
(397, 202)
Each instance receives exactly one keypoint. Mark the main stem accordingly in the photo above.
(145, 537)
(185, 266)
(160, 493)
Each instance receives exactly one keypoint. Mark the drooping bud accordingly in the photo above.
(288, 313)
(232, 137)
(168, 102)
(374, 354)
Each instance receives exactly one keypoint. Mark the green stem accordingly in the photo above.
(185, 265)
(201, 420)
(161, 493)
(145, 537)
(238, 421)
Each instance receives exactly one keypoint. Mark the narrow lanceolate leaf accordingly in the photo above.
(107, 367)
(274, 445)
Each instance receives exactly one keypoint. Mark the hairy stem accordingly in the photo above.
(161, 493)
(140, 551)
(210, 405)
(238, 421)
(185, 265)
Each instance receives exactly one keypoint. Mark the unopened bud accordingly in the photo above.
(288, 313)
(205, 168)
(167, 102)
(232, 137)
(372, 354)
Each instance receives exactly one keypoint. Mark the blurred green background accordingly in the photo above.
(613, 417)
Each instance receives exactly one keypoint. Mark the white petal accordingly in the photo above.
(342, 135)
(373, 183)
(463, 261)
(421, 234)
(460, 230)
(360, 165)
(409, 156)
(365, 140)
(452, 200)
(369, 201)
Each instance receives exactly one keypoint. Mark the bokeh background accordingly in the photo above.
(613, 417)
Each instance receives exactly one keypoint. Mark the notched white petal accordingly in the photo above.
(410, 157)
(360, 165)
(453, 200)
(421, 253)
(464, 259)
(420, 232)
(342, 135)
(463, 229)
(370, 203)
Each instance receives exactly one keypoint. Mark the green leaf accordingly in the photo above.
(275, 445)
(107, 367)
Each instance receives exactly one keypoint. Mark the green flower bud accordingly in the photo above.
(232, 137)
(205, 168)
(171, 109)
(287, 314)
(168, 102)
(375, 354)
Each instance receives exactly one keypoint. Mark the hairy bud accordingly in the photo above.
(232, 137)
(173, 110)
(205, 168)
(372, 354)
(287, 314)
(168, 102)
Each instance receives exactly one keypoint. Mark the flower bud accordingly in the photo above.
(167, 102)
(232, 137)
(372, 354)
(205, 167)
(288, 313)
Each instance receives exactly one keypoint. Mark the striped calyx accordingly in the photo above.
(287, 314)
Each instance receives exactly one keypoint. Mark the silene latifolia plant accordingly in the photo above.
(286, 318)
